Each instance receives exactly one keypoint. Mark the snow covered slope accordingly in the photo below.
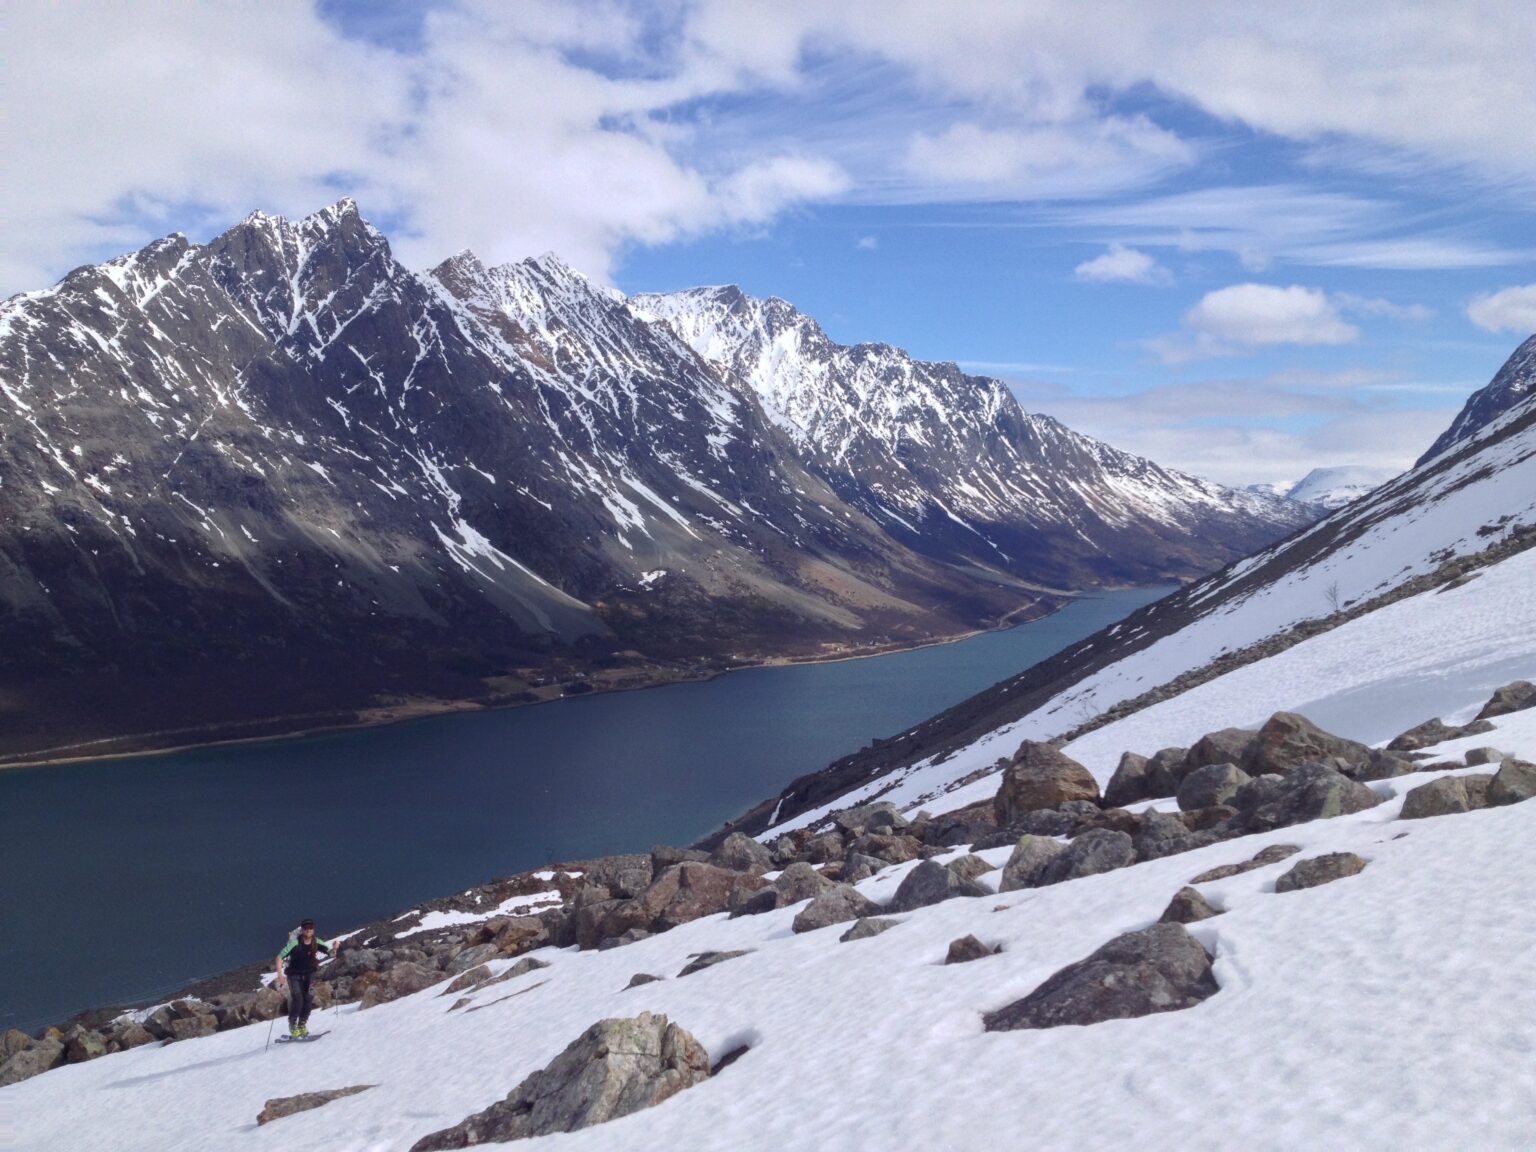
(1335, 487)
(1360, 1015)
(952, 465)
(1264, 629)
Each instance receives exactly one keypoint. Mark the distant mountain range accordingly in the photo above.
(279, 478)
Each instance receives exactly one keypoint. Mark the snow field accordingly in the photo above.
(1391, 1009)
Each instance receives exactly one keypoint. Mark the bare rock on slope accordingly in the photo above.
(615, 1067)
(1159, 969)
(1319, 870)
(1513, 782)
(1513, 697)
(1040, 776)
(281, 1106)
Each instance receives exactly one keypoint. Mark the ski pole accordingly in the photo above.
(265, 1047)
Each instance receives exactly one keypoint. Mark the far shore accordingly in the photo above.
(657, 676)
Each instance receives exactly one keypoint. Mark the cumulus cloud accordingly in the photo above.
(1511, 310)
(1122, 265)
(867, 243)
(1248, 316)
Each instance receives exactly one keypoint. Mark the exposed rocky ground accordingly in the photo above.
(1048, 811)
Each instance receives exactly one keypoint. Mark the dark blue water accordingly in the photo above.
(125, 879)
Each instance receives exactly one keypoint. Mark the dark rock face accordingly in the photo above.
(281, 1106)
(1039, 776)
(1159, 969)
(1320, 870)
(614, 1068)
(1510, 385)
(1513, 697)
(1513, 782)
(1187, 907)
(931, 883)
(966, 949)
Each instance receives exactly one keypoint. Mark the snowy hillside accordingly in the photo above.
(949, 462)
(1336, 487)
(1475, 503)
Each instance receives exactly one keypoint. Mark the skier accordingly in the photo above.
(302, 965)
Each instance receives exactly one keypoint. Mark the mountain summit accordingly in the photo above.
(278, 478)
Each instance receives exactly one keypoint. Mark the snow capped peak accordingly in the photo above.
(1513, 383)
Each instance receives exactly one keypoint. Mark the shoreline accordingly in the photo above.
(388, 715)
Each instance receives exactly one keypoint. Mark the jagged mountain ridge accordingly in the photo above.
(1511, 385)
(951, 464)
(280, 473)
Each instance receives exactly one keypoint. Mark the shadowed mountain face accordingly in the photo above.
(1511, 385)
(281, 475)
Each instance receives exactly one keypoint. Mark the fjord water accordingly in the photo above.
(126, 879)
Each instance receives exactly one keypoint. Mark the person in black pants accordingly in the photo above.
(302, 954)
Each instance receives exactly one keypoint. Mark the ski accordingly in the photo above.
(301, 1039)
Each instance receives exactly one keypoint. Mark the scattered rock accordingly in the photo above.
(623, 876)
(1211, 784)
(742, 854)
(1436, 732)
(33, 1061)
(82, 1044)
(1440, 797)
(519, 934)
(403, 979)
(1289, 739)
(1026, 867)
(282, 1106)
(1261, 859)
(1130, 783)
(969, 866)
(1515, 697)
(1484, 756)
(628, 936)
(475, 976)
(1040, 776)
(640, 978)
(1513, 782)
(614, 1068)
(1318, 870)
(1164, 771)
(14, 1040)
(1226, 746)
(930, 883)
(1164, 834)
(1186, 907)
(472, 957)
(1091, 853)
(966, 949)
(891, 848)
(709, 959)
(132, 1035)
(838, 906)
(1159, 969)
(1476, 785)
(1307, 792)
(880, 816)
(825, 848)
(664, 856)
(866, 927)
(860, 867)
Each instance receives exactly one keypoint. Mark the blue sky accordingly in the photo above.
(1243, 244)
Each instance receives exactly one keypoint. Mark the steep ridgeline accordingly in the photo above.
(1515, 382)
(954, 468)
(277, 478)
(1350, 615)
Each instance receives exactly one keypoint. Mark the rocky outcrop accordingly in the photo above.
(931, 883)
(38, 1057)
(837, 906)
(614, 1068)
(1159, 969)
(1515, 697)
(281, 1106)
(1187, 906)
(1040, 776)
(1319, 870)
(1513, 782)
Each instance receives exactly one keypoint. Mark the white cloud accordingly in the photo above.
(1122, 265)
(1511, 310)
(1376, 306)
(867, 243)
(1253, 315)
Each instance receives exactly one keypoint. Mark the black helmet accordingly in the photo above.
(306, 924)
